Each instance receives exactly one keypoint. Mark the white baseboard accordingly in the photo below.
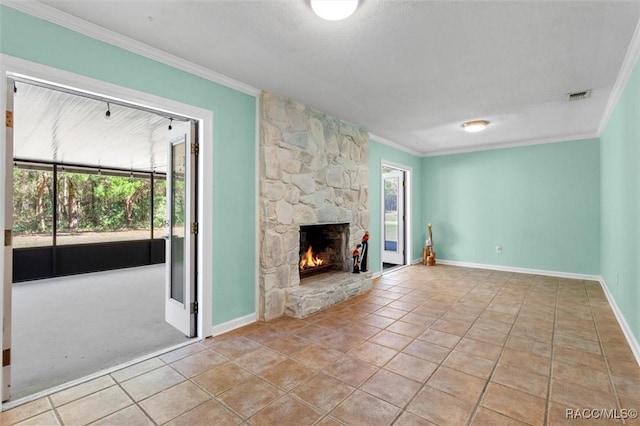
(233, 324)
(376, 275)
(416, 261)
(521, 270)
(631, 338)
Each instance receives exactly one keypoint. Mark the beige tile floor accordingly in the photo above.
(428, 345)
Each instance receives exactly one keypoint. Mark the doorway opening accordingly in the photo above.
(113, 188)
(395, 215)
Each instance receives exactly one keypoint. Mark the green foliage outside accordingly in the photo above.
(86, 202)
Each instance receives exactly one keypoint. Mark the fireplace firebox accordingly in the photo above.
(323, 248)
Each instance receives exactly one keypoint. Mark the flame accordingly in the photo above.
(308, 260)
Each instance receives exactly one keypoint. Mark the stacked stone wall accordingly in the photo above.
(313, 170)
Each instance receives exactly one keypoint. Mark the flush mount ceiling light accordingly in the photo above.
(475, 126)
(334, 10)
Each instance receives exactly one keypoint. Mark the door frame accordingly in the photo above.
(407, 209)
(13, 66)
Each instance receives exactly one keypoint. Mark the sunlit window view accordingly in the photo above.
(90, 206)
(391, 186)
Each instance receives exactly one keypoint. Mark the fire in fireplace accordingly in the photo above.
(323, 248)
(310, 260)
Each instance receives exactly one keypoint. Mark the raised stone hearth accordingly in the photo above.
(321, 291)
(313, 170)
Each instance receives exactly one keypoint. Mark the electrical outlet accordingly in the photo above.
(499, 249)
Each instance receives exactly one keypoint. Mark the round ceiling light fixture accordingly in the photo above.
(334, 10)
(475, 126)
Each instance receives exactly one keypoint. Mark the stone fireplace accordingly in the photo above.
(313, 172)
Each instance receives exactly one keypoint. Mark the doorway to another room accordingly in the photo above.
(105, 238)
(395, 216)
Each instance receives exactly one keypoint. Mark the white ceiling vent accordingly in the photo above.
(576, 96)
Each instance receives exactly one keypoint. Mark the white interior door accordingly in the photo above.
(8, 245)
(180, 305)
(393, 216)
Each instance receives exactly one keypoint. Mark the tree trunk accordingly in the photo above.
(40, 203)
(73, 206)
(129, 203)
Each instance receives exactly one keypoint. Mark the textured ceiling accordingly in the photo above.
(55, 126)
(409, 71)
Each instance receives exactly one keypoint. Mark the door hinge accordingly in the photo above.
(194, 308)
(194, 227)
(404, 183)
(195, 149)
(7, 237)
(9, 120)
(6, 357)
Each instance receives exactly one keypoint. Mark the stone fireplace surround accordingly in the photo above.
(313, 170)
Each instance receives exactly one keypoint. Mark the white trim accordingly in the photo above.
(228, 326)
(416, 261)
(516, 144)
(257, 208)
(89, 29)
(395, 145)
(376, 275)
(205, 235)
(12, 66)
(630, 60)
(520, 270)
(16, 402)
(631, 338)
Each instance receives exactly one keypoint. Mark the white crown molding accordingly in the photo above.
(395, 145)
(631, 338)
(516, 144)
(73, 23)
(630, 60)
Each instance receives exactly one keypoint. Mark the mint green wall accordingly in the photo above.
(540, 203)
(377, 153)
(234, 218)
(620, 205)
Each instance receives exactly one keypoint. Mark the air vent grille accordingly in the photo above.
(576, 96)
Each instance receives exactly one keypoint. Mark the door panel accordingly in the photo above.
(181, 240)
(8, 246)
(393, 216)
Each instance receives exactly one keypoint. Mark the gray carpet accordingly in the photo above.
(69, 327)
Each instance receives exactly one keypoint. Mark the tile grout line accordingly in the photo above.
(440, 364)
(547, 417)
(133, 399)
(404, 408)
(55, 411)
(504, 347)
